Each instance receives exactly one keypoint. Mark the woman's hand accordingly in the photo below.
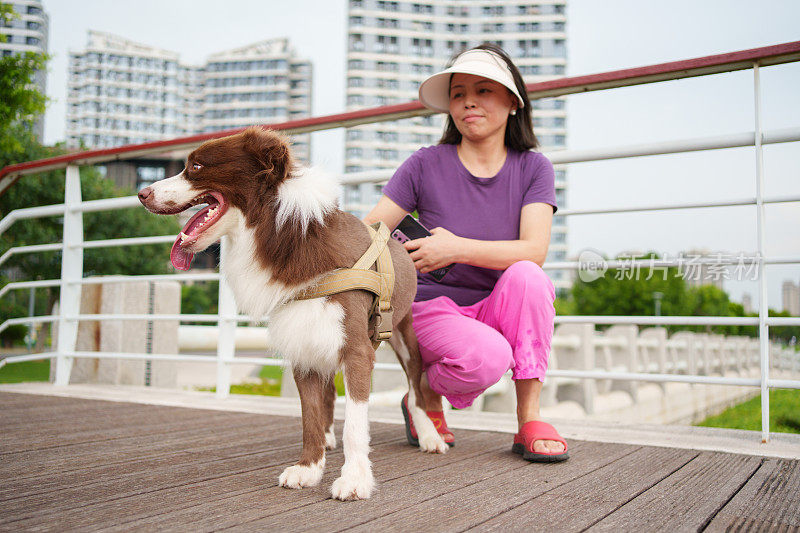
(436, 251)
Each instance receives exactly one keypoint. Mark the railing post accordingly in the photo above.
(71, 275)
(763, 305)
(226, 345)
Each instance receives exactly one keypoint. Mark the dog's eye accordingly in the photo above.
(196, 166)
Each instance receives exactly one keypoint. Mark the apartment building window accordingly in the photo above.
(528, 26)
(355, 99)
(558, 9)
(356, 21)
(355, 64)
(355, 82)
(388, 6)
(528, 10)
(559, 26)
(356, 3)
(422, 47)
(389, 136)
(393, 47)
(388, 23)
(388, 66)
(386, 154)
(356, 42)
(354, 135)
(529, 48)
(388, 84)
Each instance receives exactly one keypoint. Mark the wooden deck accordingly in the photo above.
(75, 464)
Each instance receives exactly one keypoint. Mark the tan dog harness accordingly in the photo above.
(380, 282)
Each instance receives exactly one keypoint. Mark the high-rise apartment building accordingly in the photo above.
(395, 44)
(28, 32)
(790, 293)
(122, 92)
(257, 84)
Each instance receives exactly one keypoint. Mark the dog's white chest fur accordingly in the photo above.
(309, 333)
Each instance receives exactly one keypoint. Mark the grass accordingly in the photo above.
(25, 371)
(784, 413)
(270, 384)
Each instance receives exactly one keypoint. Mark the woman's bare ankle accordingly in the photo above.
(431, 400)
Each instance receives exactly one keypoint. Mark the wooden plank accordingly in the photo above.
(467, 500)
(12, 399)
(94, 427)
(77, 471)
(197, 451)
(282, 449)
(115, 449)
(13, 417)
(769, 501)
(390, 461)
(577, 504)
(687, 499)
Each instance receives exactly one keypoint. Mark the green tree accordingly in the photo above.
(21, 100)
(631, 292)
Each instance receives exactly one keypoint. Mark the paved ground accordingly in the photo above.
(79, 464)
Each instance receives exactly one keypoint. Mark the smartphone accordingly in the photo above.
(409, 229)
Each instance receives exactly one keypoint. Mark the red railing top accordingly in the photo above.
(768, 55)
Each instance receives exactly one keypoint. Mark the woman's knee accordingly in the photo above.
(530, 277)
(489, 360)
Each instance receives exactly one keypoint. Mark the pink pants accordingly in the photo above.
(467, 349)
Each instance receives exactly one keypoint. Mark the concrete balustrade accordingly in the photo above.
(619, 348)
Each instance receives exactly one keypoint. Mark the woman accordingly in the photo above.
(490, 202)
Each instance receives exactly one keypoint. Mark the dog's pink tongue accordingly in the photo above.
(181, 259)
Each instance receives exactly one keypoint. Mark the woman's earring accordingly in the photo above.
(513, 112)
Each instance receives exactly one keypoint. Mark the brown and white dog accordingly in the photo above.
(284, 232)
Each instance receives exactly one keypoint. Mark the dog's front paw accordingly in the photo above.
(432, 443)
(353, 487)
(299, 476)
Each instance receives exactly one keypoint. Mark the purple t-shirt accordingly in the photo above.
(435, 183)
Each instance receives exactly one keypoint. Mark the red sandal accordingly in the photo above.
(437, 417)
(530, 433)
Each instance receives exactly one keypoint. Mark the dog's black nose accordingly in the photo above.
(145, 193)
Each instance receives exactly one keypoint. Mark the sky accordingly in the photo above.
(601, 36)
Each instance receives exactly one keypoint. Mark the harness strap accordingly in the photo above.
(379, 282)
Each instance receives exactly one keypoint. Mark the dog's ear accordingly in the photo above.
(271, 153)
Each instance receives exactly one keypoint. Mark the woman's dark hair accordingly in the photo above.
(519, 129)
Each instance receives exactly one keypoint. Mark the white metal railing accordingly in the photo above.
(73, 244)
